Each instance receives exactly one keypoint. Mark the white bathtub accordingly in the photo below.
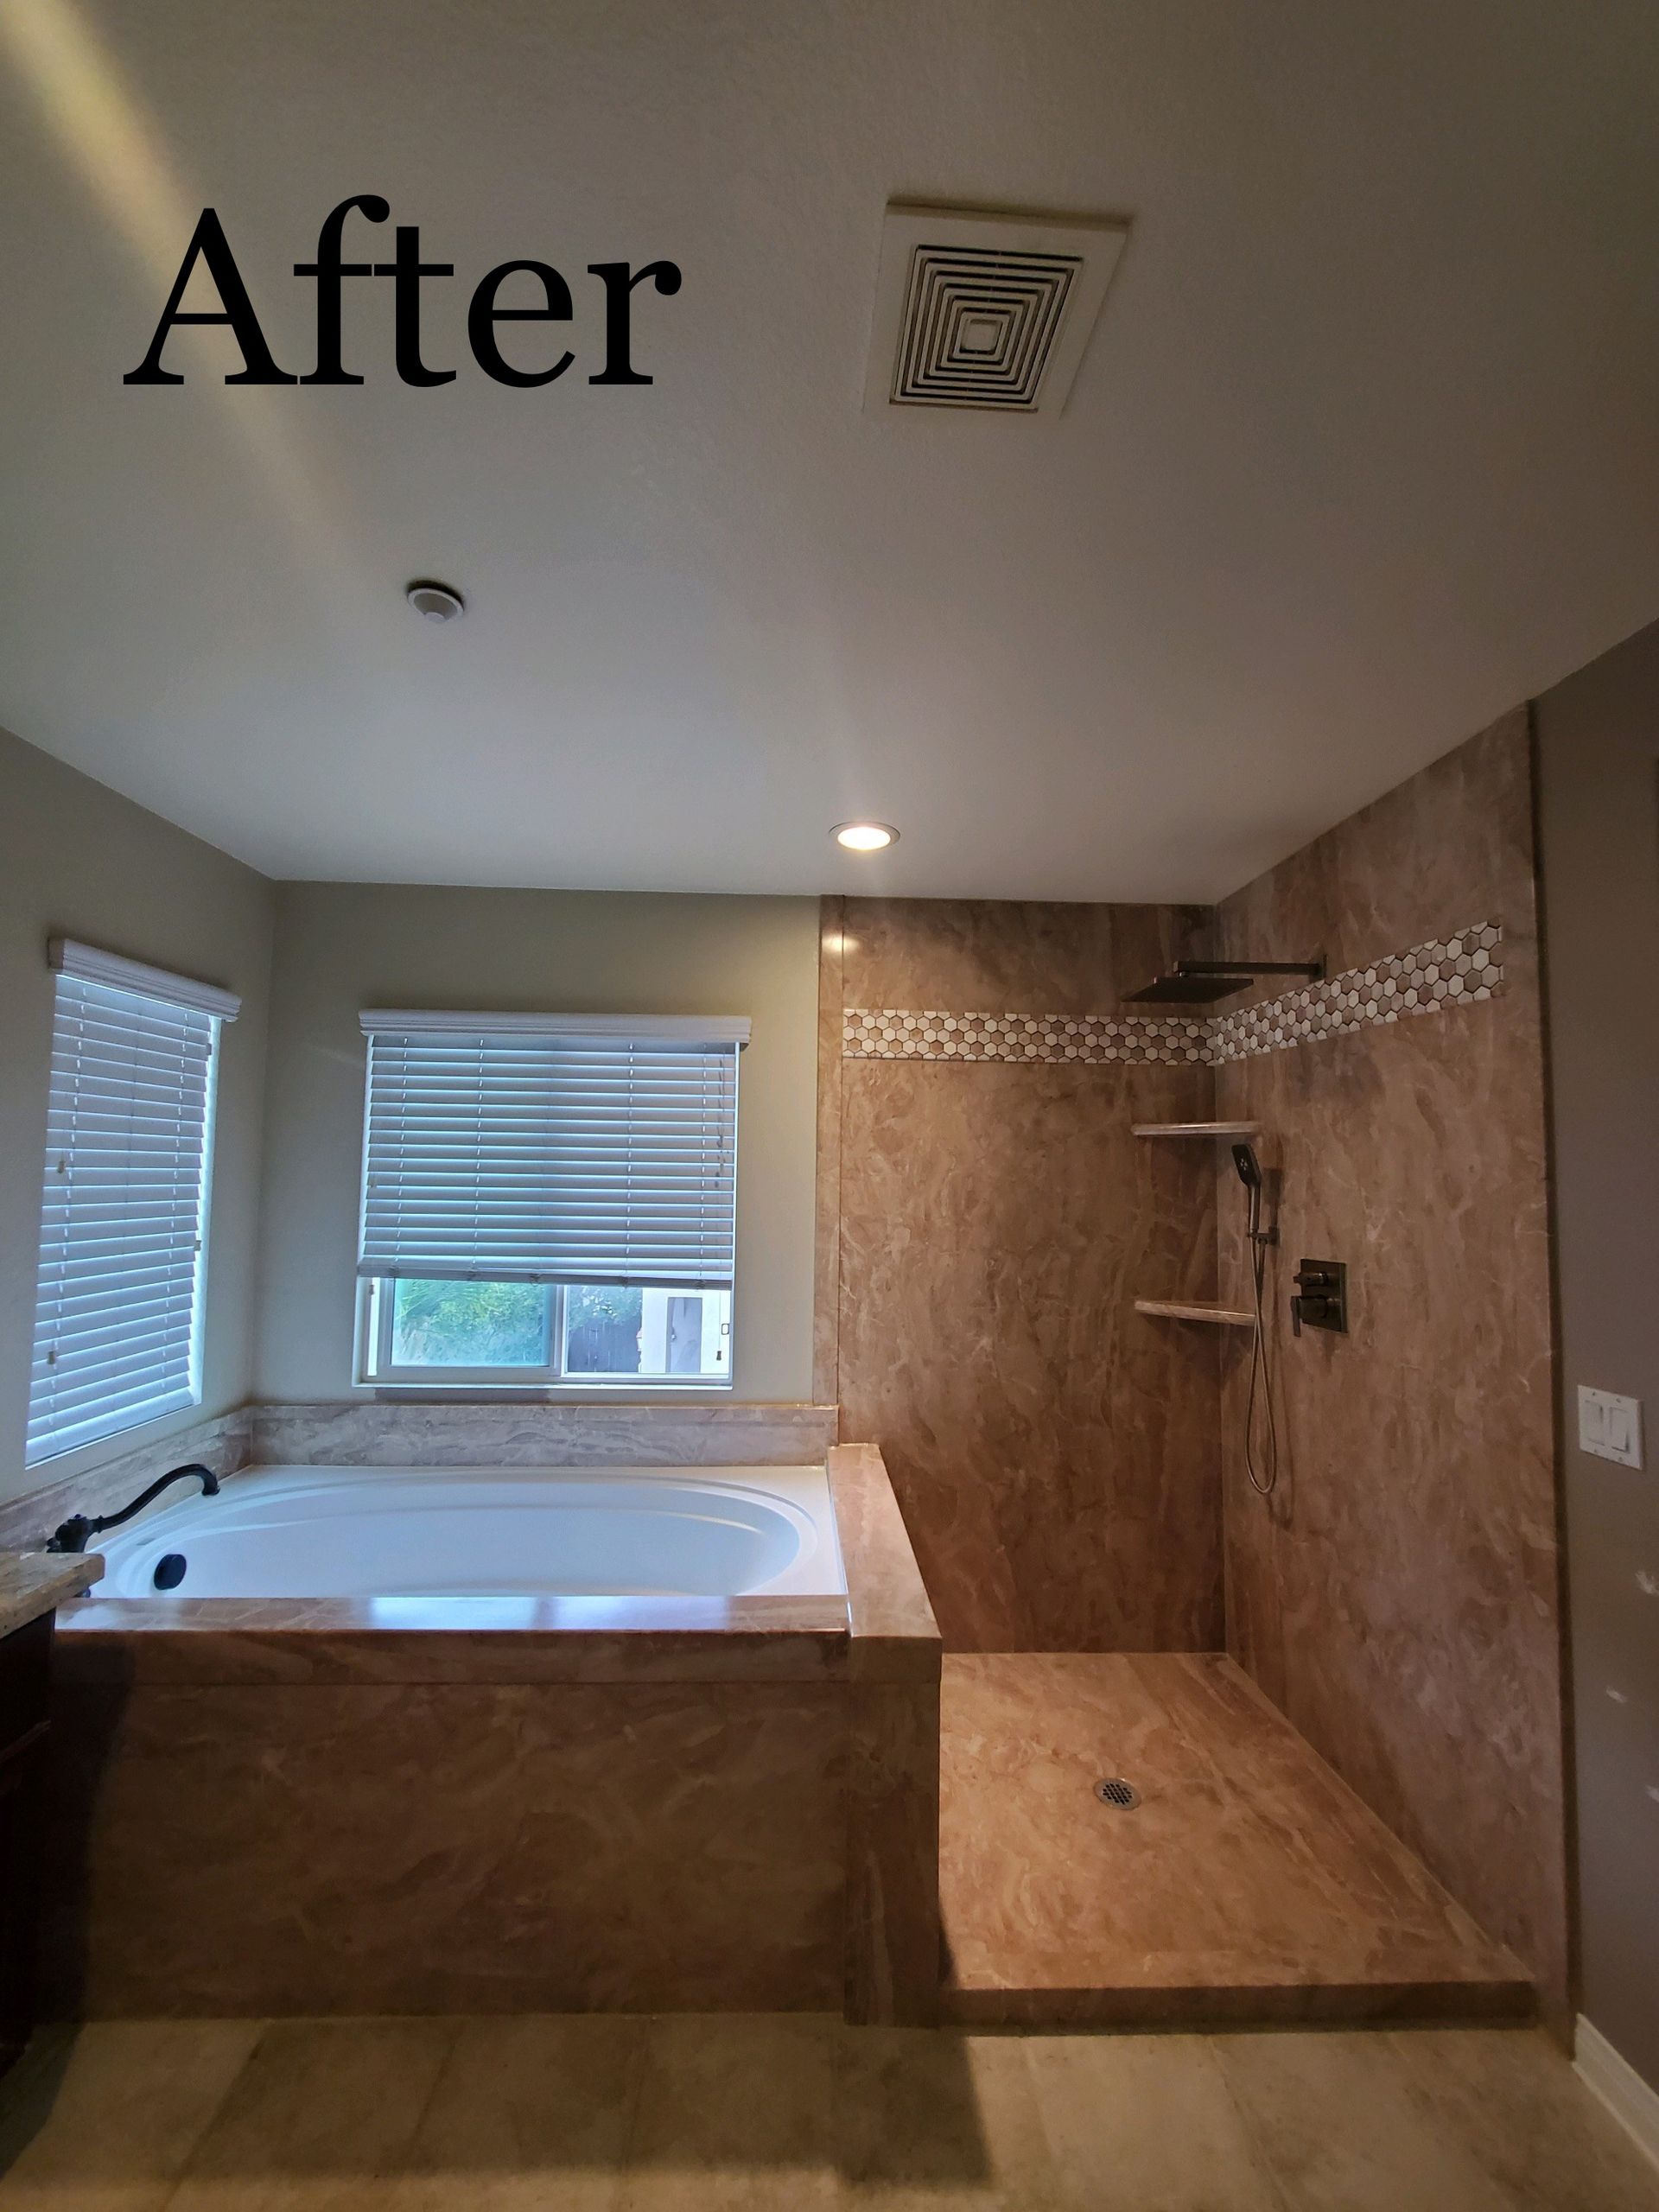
(416, 1533)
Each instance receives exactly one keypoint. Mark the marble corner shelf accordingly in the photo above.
(1197, 1129)
(1195, 1310)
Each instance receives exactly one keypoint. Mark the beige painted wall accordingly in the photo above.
(1598, 736)
(77, 860)
(342, 947)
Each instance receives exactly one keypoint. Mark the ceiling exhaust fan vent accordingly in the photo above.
(979, 326)
(984, 311)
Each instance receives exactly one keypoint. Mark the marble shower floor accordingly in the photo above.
(601, 2114)
(1249, 1883)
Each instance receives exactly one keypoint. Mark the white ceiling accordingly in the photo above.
(1364, 450)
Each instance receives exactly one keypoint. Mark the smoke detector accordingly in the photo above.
(984, 310)
(435, 602)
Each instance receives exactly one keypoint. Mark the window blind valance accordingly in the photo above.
(698, 1031)
(87, 964)
(567, 1149)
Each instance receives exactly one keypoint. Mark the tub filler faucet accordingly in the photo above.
(71, 1535)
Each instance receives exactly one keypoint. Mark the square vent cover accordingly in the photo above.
(987, 311)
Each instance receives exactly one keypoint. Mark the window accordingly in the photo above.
(130, 1116)
(548, 1198)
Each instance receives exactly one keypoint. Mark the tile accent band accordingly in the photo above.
(1458, 970)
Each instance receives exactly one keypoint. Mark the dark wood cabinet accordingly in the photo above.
(25, 1679)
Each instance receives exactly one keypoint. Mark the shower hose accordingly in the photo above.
(1263, 1481)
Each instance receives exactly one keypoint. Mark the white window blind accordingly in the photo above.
(128, 1136)
(551, 1149)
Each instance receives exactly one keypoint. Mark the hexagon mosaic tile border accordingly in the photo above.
(893, 1034)
(1431, 978)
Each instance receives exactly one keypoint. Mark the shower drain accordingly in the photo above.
(1115, 1791)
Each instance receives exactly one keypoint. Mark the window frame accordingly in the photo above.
(375, 1369)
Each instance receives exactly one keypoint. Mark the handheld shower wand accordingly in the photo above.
(1257, 1239)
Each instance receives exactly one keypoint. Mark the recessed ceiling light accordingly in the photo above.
(865, 837)
(435, 602)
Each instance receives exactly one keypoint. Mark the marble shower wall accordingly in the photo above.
(984, 1227)
(1398, 1598)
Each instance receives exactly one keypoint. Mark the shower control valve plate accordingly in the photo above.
(1321, 1299)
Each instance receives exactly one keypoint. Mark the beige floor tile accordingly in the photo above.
(323, 2118)
(1515, 2101)
(1335, 2121)
(1145, 2123)
(734, 2115)
(597, 2114)
(939, 2122)
(528, 2115)
(103, 2119)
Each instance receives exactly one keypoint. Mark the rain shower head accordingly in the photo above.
(1201, 983)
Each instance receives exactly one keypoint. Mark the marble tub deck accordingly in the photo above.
(1248, 1885)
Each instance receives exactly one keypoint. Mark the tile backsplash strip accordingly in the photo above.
(1428, 979)
(895, 1033)
(1431, 978)
(389, 1433)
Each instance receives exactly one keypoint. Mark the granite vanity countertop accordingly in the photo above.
(33, 1583)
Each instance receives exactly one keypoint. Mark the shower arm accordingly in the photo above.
(1312, 971)
(1201, 983)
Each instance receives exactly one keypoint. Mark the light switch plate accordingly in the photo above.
(1611, 1427)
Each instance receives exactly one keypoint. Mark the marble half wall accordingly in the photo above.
(985, 1226)
(1398, 1597)
(446, 1847)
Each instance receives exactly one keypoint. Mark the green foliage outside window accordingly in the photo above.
(470, 1324)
